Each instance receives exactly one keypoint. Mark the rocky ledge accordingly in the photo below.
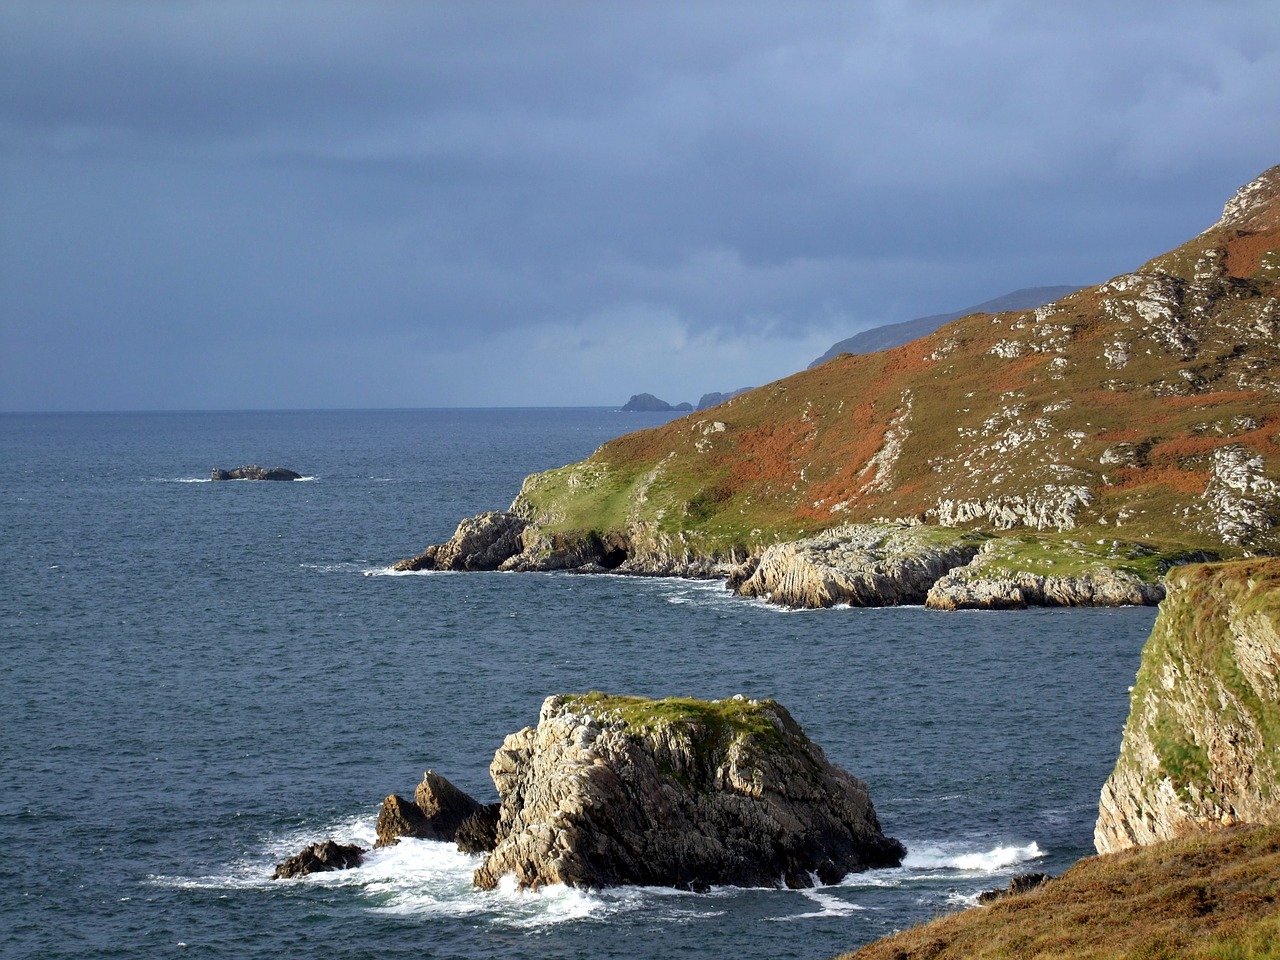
(254, 472)
(611, 790)
(1201, 748)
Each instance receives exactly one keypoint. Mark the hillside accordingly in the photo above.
(1143, 410)
(891, 335)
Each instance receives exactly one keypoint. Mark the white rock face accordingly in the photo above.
(862, 565)
(1201, 747)
(1242, 502)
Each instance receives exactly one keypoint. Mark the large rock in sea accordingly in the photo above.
(611, 790)
(254, 472)
(1201, 748)
(481, 542)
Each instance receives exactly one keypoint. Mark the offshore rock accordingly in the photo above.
(864, 565)
(319, 858)
(437, 811)
(481, 542)
(254, 472)
(682, 793)
(1201, 747)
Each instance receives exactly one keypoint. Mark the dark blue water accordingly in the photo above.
(198, 679)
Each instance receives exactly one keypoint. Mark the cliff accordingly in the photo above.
(1201, 747)
(613, 790)
(1143, 412)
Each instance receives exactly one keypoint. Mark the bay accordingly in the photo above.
(200, 678)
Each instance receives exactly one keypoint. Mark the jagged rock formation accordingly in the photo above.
(648, 403)
(621, 790)
(319, 858)
(715, 398)
(863, 565)
(436, 812)
(254, 472)
(1201, 747)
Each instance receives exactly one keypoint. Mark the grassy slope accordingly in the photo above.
(1035, 415)
(1208, 896)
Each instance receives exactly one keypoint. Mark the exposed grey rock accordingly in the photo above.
(964, 589)
(254, 472)
(608, 791)
(1201, 747)
(481, 542)
(319, 858)
(865, 565)
(1022, 883)
(1242, 502)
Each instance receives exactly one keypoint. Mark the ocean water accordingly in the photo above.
(200, 678)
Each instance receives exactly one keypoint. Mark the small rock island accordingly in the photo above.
(616, 790)
(254, 472)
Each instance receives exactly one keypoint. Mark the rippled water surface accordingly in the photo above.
(200, 678)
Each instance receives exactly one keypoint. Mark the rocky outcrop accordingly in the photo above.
(254, 472)
(437, 811)
(481, 542)
(319, 858)
(866, 565)
(648, 403)
(1201, 747)
(683, 793)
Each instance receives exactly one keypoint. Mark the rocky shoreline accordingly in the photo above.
(876, 564)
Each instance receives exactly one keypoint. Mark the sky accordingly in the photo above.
(296, 204)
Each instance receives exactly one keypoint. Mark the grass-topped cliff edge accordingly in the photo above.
(1141, 416)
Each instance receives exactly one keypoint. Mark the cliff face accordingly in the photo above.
(622, 790)
(1201, 747)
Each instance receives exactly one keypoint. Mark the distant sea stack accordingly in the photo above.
(254, 472)
(1201, 748)
(648, 403)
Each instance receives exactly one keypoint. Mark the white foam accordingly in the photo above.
(983, 861)
(829, 905)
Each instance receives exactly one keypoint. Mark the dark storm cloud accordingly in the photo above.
(429, 203)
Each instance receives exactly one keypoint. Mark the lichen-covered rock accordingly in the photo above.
(865, 565)
(1201, 747)
(684, 793)
(436, 812)
(319, 858)
(962, 590)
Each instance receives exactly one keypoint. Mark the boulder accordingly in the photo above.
(319, 858)
(1022, 883)
(611, 790)
(436, 812)
(254, 472)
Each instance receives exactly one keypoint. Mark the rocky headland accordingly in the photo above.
(1068, 454)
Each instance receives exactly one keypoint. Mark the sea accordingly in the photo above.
(199, 679)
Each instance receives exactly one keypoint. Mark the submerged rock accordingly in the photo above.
(683, 793)
(254, 472)
(319, 858)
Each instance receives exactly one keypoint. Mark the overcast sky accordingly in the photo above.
(298, 203)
